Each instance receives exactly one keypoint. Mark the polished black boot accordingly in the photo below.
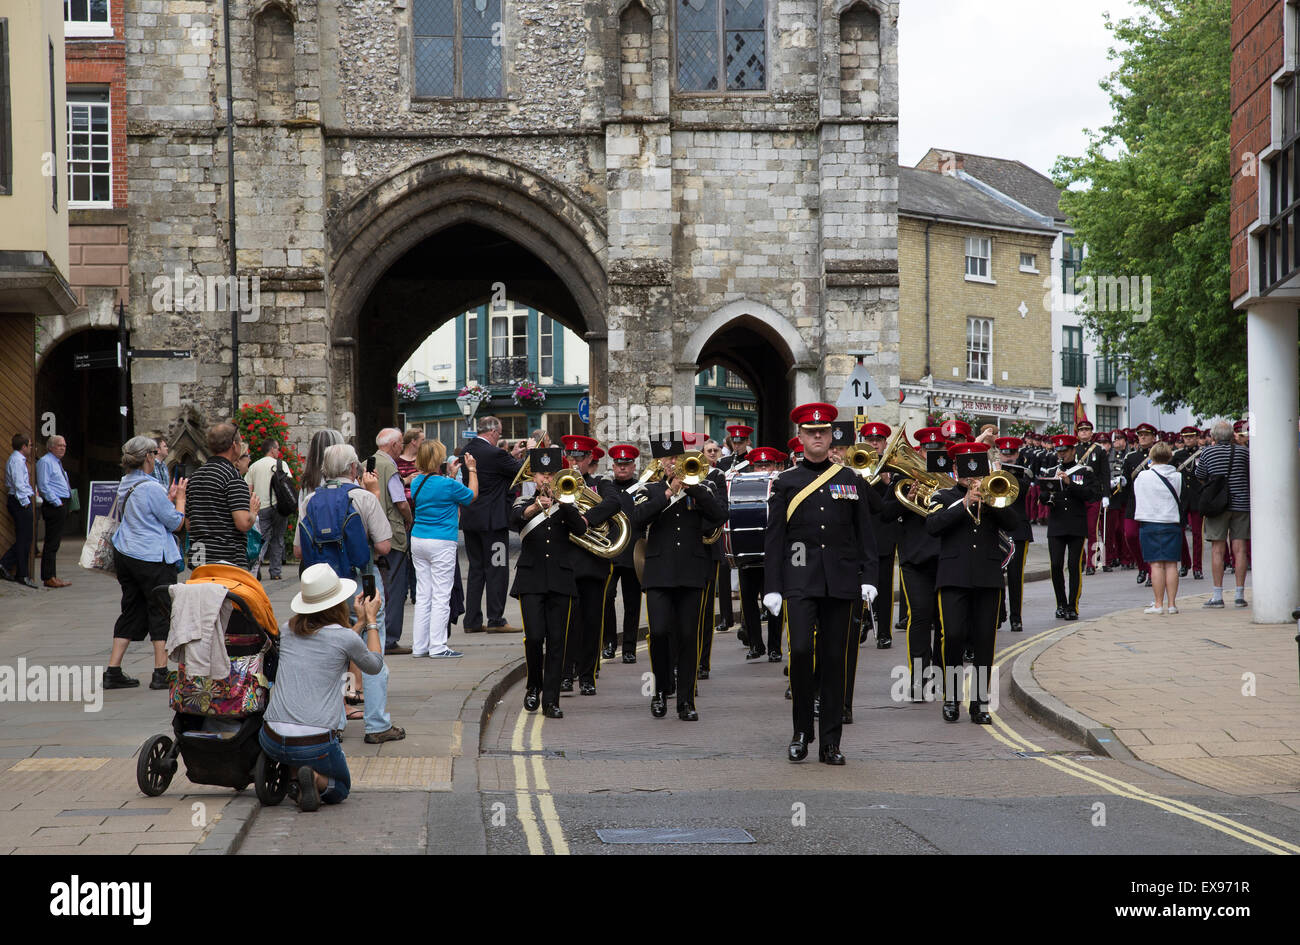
(755, 652)
(980, 715)
(1060, 613)
(566, 684)
(847, 718)
(774, 656)
(687, 713)
(532, 699)
(830, 755)
(1198, 576)
(608, 652)
(884, 641)
(1017, 626)
(798, 749)
(552, 712)
(629, 657)
(659, 705)
(950, 711)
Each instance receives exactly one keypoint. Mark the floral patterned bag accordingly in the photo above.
(242, 693)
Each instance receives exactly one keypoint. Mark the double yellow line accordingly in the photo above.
(550, 820)
(1226, 825)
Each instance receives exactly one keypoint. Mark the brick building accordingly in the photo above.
(684, 184)
(1265, 281)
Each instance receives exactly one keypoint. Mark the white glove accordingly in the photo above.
(868, 594)
(773, 603)
(1105, 502)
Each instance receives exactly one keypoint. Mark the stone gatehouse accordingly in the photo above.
(683, 182)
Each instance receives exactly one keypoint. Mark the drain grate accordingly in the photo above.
(676, 835)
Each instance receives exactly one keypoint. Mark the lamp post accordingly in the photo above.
(468, 406)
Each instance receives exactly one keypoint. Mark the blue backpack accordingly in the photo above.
(333, 532)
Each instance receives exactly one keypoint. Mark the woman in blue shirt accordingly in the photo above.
(436, 500)
(145, 555)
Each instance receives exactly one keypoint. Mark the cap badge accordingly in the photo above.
(546, 460)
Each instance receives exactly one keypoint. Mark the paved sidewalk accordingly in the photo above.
(67, 775)
(1205, 694)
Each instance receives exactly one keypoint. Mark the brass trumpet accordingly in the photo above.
(862, 459)
(606, 540)
(692, 468)
(998, 490)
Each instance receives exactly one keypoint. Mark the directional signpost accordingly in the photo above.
(859, 393)
(584, 409)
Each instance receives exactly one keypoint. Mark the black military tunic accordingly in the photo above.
(624, 576)
(1067, 524)
(592, 573)
(818, 562)
(719, 585)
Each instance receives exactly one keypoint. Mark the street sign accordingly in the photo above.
(584, 410)
(171, 354)
(860, 392)
(91, 360)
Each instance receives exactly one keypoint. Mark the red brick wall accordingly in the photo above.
(97, 256)
(1256, 56)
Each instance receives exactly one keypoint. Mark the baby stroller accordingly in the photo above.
(217, 721)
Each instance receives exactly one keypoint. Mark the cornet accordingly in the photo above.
(861, 459)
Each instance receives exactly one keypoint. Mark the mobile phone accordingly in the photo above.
(368, 585)
(370, 464)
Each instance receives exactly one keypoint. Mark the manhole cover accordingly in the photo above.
(675, 835)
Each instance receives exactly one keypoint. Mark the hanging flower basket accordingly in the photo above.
(407, 392)
(475, 395)
(528, 393)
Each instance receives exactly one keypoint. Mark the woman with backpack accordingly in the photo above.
(436, 501)
(1157, 508)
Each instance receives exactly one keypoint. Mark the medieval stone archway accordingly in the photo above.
(441, 236)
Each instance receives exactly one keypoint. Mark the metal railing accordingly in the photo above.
(1074, 369)
(1107, 372)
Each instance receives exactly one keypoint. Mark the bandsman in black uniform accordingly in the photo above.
(1090, 451)
(544, 583)
(876, 436)
(738, 438)
(1070, 487)
(969, 577)
(623, 456)
(591, 572)
(763, 459)
(918, 552)
(794, 452)
(676, 517)
(1021, 534)
(819, 559)
(719, 571)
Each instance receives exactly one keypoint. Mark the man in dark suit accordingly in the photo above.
(677, 517)
(484, 522)
(819, 559)
(969, 576)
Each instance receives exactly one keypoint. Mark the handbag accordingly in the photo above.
(1178, 499)
(1215, 495)
(97, 552)
(282, 492)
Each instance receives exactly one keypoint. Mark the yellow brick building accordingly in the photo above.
(975, 319)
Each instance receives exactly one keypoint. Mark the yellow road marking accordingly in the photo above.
(523, 799)
(1226, 825)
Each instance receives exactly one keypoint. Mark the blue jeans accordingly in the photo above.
(326, 759)
(376, 686)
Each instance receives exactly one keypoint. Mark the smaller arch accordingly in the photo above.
(636, 81)
(775, 326)
(274, 74)
(859, 60)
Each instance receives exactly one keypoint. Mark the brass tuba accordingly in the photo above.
(903, 458)
(606, 540)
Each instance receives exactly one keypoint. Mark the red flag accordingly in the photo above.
(1080, 414)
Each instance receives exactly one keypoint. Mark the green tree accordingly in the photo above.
(1150, 198)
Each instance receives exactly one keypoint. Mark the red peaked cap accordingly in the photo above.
(578, 443)
(739, 430)
(929, 435)
(1062, 440)
(1009, 444)
(874, 429)
(951, 429)
(961, 449)
(694, 441)
(597, 453)
(814, 416)
(623, 451)
(766, 454)
(794, 446)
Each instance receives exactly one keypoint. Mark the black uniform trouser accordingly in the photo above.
(967, 617)
(54, 516)
(882, 611)
(586, 628)
(830, 617)
(1015, 593)
(1067, 553)
(674, 617)
(725, 612)
(546, 623)
(706, 615)
(625, 578)
(922, 622)
(752, 611)
(479, 549)
(857, 614)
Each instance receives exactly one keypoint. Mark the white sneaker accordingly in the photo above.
(1172, 610)
(1153, 609)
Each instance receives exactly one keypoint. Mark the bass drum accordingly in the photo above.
(747, 495)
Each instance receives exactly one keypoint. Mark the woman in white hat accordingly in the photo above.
(307, 698)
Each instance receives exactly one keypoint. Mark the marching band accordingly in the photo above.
(819, 535)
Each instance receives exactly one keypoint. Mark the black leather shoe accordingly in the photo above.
(1060, 613)
(1198, 575)
(817, 706)
(1106, 569)
(552, 712)
(159, 679)
(862, 634)
(774, 656)
(532, 699)
(980, 715)
(900, 624)
(1141, 576)
(566, 684)
(742, 636)
(755, 652)
(787, 693)
(629, 657)
(608, 652)
(1017, 626)
(968, 656)
(830, 755)
(702, 674)
(1090, 570)
(687, 713)
(1071, 615)
(798, 749)
(884, 643)
(721, 627)
(588, 689)
(119, 680)
(950, 712)
(847, 718)
(659, 705)
(1182, 572)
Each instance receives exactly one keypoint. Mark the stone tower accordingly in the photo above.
(683, 182)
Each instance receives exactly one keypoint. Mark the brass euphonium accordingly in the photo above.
(606, 540)
(905, 460)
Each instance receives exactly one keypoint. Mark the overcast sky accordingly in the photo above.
(1006, 78)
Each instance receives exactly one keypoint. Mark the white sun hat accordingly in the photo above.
(321, 589)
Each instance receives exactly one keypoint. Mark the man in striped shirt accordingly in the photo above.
(219, 508)
(1234, 523)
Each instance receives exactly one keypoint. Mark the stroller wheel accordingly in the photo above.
(270, 779)
(153, 768)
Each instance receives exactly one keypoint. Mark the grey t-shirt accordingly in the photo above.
(308, 686)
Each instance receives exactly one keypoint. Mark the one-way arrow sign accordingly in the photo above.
(860, 392)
